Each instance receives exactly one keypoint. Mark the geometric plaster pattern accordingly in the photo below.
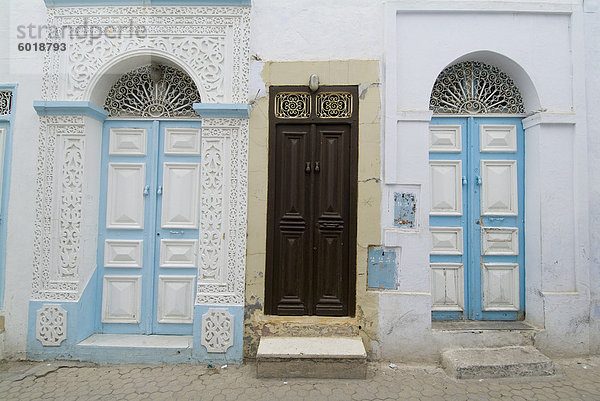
(217, 330)
(59, 193)
(223, 206)
(213, 42)
(51, 325)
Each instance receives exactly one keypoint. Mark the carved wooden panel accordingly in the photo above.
(175, 299)
(500, 241)
(121, 299)
(178, 253)
(497, 138)
(500, 286)
(123, 253)
(447, 286)
(446, 190)
(445, 138)
(446, 240)
(182, 141)
(499, 188)
(127, 142)
(125, 205)
(180, 195)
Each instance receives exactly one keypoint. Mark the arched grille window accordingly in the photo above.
(153, 91)
(472, 87)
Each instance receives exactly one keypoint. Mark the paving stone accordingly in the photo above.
(135, 382)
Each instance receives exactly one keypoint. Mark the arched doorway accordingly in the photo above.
(476, 154)
(149, 205)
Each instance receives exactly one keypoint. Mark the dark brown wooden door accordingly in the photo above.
(312, 219)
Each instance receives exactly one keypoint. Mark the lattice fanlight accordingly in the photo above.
(472, 87)
(155, 91)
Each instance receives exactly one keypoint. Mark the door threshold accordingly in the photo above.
(138, 341)
(479, 325)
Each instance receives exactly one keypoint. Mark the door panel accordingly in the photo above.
(331, 212)
(293, 246)
(492, 179)
(149, 253)
(125, 209)
(180, 195)
(310, 245)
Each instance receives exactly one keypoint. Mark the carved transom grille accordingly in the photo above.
(5, 102)
(299, 105)
(155, 91)
(334, 105)
(292, 105)
(472, 87)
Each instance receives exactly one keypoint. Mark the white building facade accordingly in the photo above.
(135, 179)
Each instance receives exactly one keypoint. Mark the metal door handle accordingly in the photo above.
(478, 180)
(176, 232)
(146, 190)
(307, 168)
(464, 180)
(317, 167)
(159, 190)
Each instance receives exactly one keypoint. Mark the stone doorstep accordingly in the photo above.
(137, 341)
(311, 357)
(480, 363)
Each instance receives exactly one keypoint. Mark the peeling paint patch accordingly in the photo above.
(405, 209)
(382, 274)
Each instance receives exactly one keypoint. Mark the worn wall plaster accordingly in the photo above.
(353, 72)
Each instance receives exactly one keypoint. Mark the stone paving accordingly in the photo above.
(576, 379)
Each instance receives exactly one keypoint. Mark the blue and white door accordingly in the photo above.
(476, 218)
(148, 226)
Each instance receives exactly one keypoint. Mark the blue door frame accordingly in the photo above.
(152, 233)
(472, 221)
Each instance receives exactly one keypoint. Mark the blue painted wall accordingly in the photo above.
(405, 209)
(383, 272)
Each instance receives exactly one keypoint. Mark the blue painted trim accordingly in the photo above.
(88, 3)
(222, 110)
(7, 122)
(234, 353)
(53, 108)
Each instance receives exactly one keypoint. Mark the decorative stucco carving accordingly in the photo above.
(5, 102)
(217, 330)
(212, 41)
(223, 211)
(472, 87)
(51, 325)
(59, 192)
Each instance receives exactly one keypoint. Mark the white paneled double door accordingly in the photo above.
(476, 219)
(148, 226)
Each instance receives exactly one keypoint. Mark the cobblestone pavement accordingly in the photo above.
(576, 379)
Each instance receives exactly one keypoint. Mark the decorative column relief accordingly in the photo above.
(59, 199)
(217, 330)
(223, 211)
(51, 325)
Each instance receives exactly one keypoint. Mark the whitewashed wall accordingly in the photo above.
(592, 49)
(306, 30)
(25, 69)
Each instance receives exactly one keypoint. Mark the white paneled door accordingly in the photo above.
(476, 218)
(148, 227)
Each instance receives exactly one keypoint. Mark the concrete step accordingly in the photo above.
(480, 363)
(125, 348)
(312, 357)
